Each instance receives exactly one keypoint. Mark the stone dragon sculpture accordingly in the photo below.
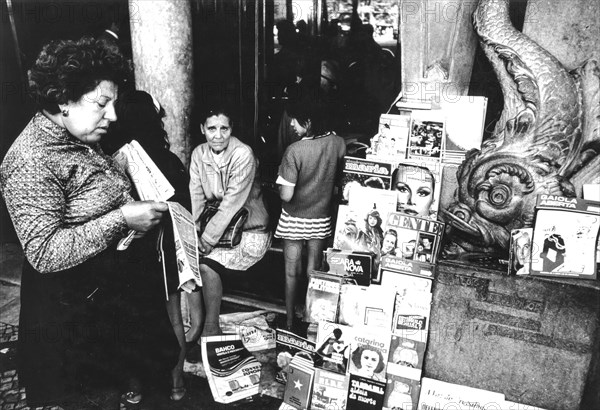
(548, 130)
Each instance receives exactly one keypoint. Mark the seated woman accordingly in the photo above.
(224, 169)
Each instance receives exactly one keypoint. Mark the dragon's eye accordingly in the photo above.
(499, 195)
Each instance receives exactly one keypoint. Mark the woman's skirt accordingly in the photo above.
(294, 228)
(250, 250)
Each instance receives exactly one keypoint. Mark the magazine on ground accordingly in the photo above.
(565, 237)
(418, 187)
(365, 393)
(233, 372)
(354, 267)
(371, 306)
(322, 296)
(406, 357)
(411, 316)
(519, 259)
(436, 394)
(370, 348)
(366, 173)
(298, 390)
(329, 390)
(417, 238)
(333, 347)
(287, 346)
(389, 144)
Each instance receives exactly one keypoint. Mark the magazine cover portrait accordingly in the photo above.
(417, 188)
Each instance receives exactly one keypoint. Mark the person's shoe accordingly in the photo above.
(177, 393)
(130, 400)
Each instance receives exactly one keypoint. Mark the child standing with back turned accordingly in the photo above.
(307, 175)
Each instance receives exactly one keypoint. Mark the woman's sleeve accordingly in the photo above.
(241, 176)
(197, 195)
(36, 202)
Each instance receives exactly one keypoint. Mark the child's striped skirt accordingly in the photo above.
(294, 228)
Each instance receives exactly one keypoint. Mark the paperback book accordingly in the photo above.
(366, 173)
(329, 390)
(322, 297)
(411, 316)
(519, 259)
(333, 347)
(418, 238)
(406, 357)
(364, 393)
(233, 373)
(371, 306)
(402, 393)
(392, 266)
(402, 282)
(565, 236)
(287, 346)
(389, 144)
(298, 389)
(354, 267)
(370, 349)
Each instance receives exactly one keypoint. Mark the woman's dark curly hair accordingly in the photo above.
(67, 69)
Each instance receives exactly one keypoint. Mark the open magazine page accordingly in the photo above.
(186, 247)
(233, 372)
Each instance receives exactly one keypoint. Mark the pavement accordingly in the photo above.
(198, 395)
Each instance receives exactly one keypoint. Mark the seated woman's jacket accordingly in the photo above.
(234, 182)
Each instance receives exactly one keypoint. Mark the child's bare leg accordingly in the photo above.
(314, 252)
(292, 255)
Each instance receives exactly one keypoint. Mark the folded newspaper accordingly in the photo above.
(151, 185)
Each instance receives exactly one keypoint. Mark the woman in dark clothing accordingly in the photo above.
(70, 204)
(140, 118)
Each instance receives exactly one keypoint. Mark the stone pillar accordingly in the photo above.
(438, 44)
(161, 42)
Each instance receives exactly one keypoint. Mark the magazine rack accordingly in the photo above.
(531, 338)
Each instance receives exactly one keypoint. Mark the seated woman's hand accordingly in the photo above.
(142, 216)
(204, 247)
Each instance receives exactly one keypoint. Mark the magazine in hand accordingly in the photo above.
(565, 236)
(401, 393)
(322, 297)
(287, 346)
(418, 238)
(333, 347)
(366, 173)
(370, 349)
(364, 393)
(354, 267)
(186, 247)
(329, 390)
(371, 306)
(233, 372)
(298, 389)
